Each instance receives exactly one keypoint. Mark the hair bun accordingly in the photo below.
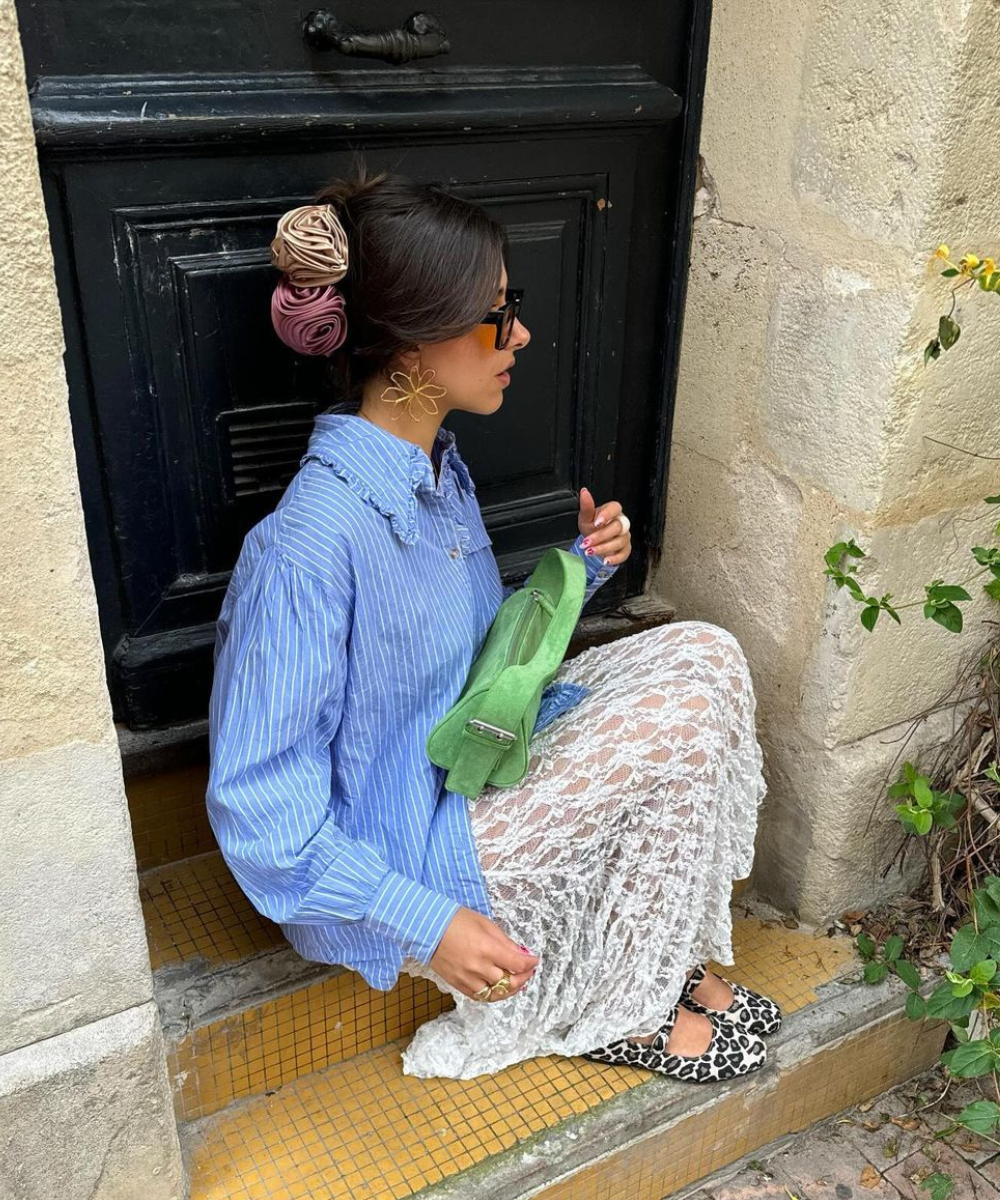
(310, 246)
(309, 320)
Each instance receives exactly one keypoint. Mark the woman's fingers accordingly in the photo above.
(615, 543)
(611, 531)
(606, 512)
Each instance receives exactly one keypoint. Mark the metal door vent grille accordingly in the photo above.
(265, 444)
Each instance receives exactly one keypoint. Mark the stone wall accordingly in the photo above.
(840, 145)
(85, 1108)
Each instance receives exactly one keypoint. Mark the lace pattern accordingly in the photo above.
(614, 858)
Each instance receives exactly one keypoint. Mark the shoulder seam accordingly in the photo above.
(299, 569)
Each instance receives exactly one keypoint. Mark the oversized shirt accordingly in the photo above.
(352, 617)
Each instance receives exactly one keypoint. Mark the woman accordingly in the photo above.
(570, 914)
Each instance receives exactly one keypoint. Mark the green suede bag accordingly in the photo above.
(483, 738)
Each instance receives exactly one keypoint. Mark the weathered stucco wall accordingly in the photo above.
(83, 1088)
(839, 148)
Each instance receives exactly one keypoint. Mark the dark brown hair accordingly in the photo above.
(423, 266)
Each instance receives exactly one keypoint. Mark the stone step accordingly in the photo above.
(553, 1127)
(243, 1014)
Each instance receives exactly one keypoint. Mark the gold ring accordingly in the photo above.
(502, 985)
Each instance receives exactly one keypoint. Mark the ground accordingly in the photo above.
(889, 1148)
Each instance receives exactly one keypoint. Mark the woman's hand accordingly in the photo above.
(475, 952)
(603, 530)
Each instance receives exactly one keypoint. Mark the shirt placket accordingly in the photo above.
(460, 543)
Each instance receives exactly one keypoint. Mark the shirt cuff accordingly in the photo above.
(410, 914)
(597, 569)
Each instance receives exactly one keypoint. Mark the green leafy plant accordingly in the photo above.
(970, 987)
(879, 961)
(968, 272)
(941, 600)
(939, 1185)
(924, 808)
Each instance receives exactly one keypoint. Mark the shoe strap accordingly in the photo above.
(697, 975)
(666, 1029)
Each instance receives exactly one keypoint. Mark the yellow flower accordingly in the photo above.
(942, 251)
(415, 385)
(989, 266)
(968, 262)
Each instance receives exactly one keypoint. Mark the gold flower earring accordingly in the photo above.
(411, 388)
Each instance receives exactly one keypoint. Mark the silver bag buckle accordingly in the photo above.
(501, 735)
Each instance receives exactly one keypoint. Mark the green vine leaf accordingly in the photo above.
(910, 976)
(946, 614)
(970, 946)
(948, 332)
(869, 616)
(971, 1060)
(939, 1185)
(983, 972)
(942, 1005)
(916, 1006)
(986, 900)
(982, 1117)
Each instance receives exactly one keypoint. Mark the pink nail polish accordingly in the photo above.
(585, 542)
(590, 551)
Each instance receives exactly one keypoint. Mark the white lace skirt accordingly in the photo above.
(614, 858)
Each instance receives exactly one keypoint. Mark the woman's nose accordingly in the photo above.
(520, 336)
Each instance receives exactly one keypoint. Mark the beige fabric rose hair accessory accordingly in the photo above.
(307, 308)
(310, 246)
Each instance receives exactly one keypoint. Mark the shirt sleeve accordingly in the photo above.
(277, 700)
(598, 571)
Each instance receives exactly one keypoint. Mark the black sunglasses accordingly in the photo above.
(504, 317)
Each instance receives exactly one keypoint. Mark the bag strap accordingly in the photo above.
(478, 757)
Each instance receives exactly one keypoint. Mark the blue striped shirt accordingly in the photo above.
(353, 614)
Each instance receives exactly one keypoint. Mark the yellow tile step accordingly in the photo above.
(567, 1128)
(243, 1014)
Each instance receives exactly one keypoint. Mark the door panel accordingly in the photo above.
(164, 188)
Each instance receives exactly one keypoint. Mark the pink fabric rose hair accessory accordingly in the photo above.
(309, 320)
(307, 308)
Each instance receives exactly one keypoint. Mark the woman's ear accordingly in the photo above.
(405, 361)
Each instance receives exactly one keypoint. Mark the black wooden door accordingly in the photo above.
(172, 135)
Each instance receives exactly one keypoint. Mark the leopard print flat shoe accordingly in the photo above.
(755, 1013)
(732, 1051)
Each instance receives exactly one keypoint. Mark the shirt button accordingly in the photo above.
(455, 552)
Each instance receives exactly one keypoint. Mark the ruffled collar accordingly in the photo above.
(386, 471)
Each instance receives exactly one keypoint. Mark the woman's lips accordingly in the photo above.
(504, 378)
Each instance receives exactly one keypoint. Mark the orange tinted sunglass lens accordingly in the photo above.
(487, 336)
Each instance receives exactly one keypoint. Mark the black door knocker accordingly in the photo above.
(422, 36)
